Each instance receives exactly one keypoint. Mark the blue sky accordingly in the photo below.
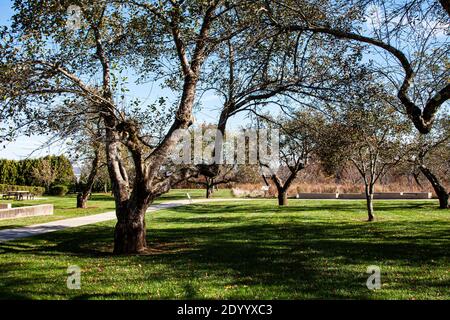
(5, 11)
(33, 146)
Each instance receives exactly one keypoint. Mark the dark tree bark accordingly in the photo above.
(265, 180)
(369, 199)
(82, 199)
(130, 230)
(439, 189)
(209, 192)
(282, 197)
(446, 5)
(84, 194)
(416, 179)
(214, 175)
(282, 188)
(209, 187)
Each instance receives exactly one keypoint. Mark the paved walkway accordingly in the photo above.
(33, 230)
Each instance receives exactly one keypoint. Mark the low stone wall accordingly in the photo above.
(21, 212)
(317, 195)
(5, 206)
(387, 195)
(377, 195)
(417, 195)
(239, 193)
(402, 195)
(352, 196)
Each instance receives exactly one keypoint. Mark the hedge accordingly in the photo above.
(21, 172)
(36, 190)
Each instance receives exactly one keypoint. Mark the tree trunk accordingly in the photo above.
(443, 201)
(130, 230)
(369, 198)
(282, 197)
(416, 179)
(82, 199)
(209, 191)
(439, 189)
(83, 196)
(283, 188)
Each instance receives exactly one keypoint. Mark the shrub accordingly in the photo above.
(59, 190)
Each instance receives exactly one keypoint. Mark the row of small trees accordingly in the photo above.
(373, 140)
(368, 136)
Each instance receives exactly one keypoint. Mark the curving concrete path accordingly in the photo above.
(33, 230)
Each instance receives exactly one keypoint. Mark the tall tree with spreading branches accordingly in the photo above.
(44, 64)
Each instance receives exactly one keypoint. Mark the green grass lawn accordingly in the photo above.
(65, 207)
(245, 250)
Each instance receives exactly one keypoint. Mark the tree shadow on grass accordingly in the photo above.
(291, 259)
(298, 206)
(10, 226)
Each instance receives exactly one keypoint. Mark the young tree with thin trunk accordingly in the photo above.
(299, 138)
(210, 180)
(369, 135)
(85, 145)
(86, 186)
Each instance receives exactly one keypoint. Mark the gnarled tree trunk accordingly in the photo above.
(439, 189)
(82, 199)
(130, 230)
